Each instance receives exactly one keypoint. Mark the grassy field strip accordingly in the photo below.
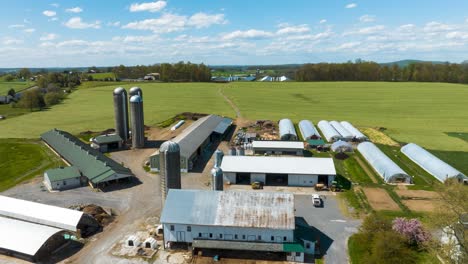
(368, 171)
(17, 86)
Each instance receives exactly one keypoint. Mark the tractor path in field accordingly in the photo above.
(366, 169)
(234, 106)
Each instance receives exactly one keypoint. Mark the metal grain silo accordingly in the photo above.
(136, 91)
(138, 126)
(240, 151)
(169, 172)
(217, 179)
(219, 154)
(232, 151)
(121, 113)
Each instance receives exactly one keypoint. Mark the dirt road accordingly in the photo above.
(231, 103)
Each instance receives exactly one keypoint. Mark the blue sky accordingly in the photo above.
(106, 33)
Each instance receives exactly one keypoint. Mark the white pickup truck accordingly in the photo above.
(317, 201)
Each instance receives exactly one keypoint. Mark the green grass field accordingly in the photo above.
(102, 75)
(18, 86)
(411, 112)
(33, 156)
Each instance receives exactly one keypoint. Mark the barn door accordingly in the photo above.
(180, 236)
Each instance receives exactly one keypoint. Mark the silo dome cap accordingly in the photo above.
(119, 90)
(169, 146)
(216, 171)
(135, 89)
(136, 99)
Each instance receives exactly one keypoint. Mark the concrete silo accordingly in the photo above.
(219, 154)
(121, 113)
(138, 126)
(217, 179)
(169, 172)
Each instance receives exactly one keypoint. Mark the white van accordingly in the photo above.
(317, 201)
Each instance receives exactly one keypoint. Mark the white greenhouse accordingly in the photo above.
(354, 131)
(328, 131)
(287, 130)
(308, 130)
(345, 134)
(341, 146)
(430, 163)
(383, 165)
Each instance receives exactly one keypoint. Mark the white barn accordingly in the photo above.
(291, 171)
(233, 220)
(278, 147)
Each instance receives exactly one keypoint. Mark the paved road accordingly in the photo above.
(334, 226)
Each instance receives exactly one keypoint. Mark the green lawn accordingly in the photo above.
(18, 86)
(103, 75)
(21, 160)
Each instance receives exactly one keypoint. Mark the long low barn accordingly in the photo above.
(195, 141)
(278, 147)
(292, 171)
(92, 164)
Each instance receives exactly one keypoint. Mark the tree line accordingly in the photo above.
(371, 71)
(178, 72)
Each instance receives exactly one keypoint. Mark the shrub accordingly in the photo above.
(412, 230)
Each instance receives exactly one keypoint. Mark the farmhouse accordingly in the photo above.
(33, 231)
(62, 178)
(292, 171)
(196, 141)
(278, 147)
(233, 220)
(108, 142)
(96, 167)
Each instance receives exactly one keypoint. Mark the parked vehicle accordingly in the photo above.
(257, 185)
(317, 201)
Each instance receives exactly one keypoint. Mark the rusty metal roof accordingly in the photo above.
(230, 208)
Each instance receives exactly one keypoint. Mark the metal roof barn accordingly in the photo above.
(270, 144)
(230, 208)
(287, 130)
(308, 130)
(345, 134)
(430, 163)
(328, 131)
(382, 164)
(354, 131)
(279, 165)
(38, 213)
(24, 237)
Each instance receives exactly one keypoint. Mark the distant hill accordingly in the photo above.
(404, 63)
(52, 69)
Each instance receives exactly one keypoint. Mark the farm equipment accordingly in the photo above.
(319, 186)
(335, 187)
(257, 185)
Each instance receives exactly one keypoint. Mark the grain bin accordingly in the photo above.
(219, 154)
(136, 91)
(240, 151)
(169, 160)
(138, 126)
(217, 179)
(121, 113)
(232, 151)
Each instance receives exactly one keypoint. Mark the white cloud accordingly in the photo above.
(366, 30)
(114, 24)
(367, 18)
(11, 41)
(407, 27)
(151, 6)
(437, 27)
(293, 30)
(352, 5)
(248, 34)
(48, 37)
(202, 20)
(29, 30)
(164, 24)
(77, 23)
(53, 19)
(49, 13)
(16, 26)
(323, 21)
(74, 10)
(457, 35)
(137, 39)
(346, 46)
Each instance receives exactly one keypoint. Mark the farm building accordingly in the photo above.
(62, 178)
(430, 163)
(291, 171)
(308, 130)
(233, 220)
(354, 131)
(33, 231)
(328, 131)
(108, 142)
(287, 130)
(383, 165)
(341, 146)
(345, 134)
(316, 143)
(196, 140)
(278, 147)
(92, 164)
(274, 79)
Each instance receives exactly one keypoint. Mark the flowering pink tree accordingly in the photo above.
(412, 229)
